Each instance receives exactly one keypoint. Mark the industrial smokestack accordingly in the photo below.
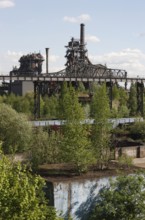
(47, 49)
(82, 35)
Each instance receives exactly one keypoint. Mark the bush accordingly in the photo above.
(125, 160)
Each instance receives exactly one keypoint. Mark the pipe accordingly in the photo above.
(82, 35)
(47, 49)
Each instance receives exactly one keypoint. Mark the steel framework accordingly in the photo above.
(78, 68)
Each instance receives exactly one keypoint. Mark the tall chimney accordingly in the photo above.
(82, 42)
(47, 49)
(82, 35)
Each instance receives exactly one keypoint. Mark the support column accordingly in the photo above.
(47, 50)
(37, 93)
(140, 95)
(10, 85)
(125, 85)
(109, 85)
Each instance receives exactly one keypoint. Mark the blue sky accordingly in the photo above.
(114, 31)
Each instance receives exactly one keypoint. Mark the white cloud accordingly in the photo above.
(6, 3)
(13, 56)
(92, 38)
(81, 18)
(131, 60)
(52, 59)
(11, 59)
(84, 17)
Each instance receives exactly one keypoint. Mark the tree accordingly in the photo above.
(132, 101)
(100, 129)
(50, 107)
(123, 97)
(137, 130)
(23, 104)
(75, 145)
(123, 199)
(15, 130)
(115, 92)
(45, 148)
(123, 111)
(22, 194)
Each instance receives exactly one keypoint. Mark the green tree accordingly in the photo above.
(15, 130)
(123, 199)
(115, 92)
(30, 99)
(76, 147)
(23, 104)
(123, 111)
(101, 128)
(123, 97)
(137, 130)
(45, 148)
(22, 194)
(132, 101)
(9, 99)
(81, 87)
(50, 109)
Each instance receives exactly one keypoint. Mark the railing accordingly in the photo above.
(114, 121)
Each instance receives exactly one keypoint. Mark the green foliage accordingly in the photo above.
(21, 194)
(45, 148)
(132, 101)
(123, 199)
(29, 97)
(100, 104)
(69, 106)
(123, 96)
(115, 93)
(50, 109)
(125, 160)
(137, 130)
(75, 145)
(123, 111)
(86, 109)
(101, 129)
(81, 87)
(15, 130)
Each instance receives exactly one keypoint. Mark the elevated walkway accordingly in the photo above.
(114, 121)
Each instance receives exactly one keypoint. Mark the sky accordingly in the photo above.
(114, 32)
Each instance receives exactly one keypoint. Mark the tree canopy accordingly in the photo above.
(123, 199)
(76, 147)
(15, 130)
(22, 194)
(100, 130)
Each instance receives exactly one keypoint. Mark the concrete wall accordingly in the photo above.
(27, 87)
(21, 88)
(75, 197)
(132, 151)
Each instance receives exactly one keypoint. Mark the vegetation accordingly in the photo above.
(100, 133)
(137, 131)
(75, 145)
(132, 101)
(124, 102)
(125, 160)
(123, 199)
(45, 148)
(22, 194)
(15, 130)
